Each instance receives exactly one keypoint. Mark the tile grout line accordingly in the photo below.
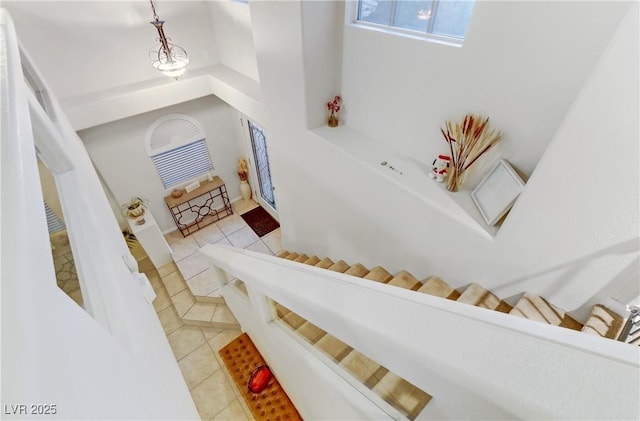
(170, 308)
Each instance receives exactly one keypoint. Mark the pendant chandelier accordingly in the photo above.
(170, 59)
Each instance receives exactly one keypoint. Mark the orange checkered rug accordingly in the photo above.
(272, 404)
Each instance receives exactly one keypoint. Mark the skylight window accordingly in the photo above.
(445, 19)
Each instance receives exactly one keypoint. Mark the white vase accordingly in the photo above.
(245, 190)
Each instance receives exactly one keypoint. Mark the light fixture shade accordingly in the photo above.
(170, 59)
(172, 63)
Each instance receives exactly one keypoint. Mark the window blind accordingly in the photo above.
(53, 222)
(182, 163)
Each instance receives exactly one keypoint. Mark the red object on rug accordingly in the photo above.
(241, 358)
(259, 379)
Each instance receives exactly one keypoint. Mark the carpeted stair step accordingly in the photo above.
(301, 258)
(280, 310)
(379, 274)
(362, 368)
(537, 308)
(325, 263)
(333, 347)
(405, 280)
(401, 394)
(357, 270)
(478, 296)
(534, 307)
(293, 320)
(570, 323)
(311, 332)
(339, 266)
(604, 322)
(312, 261)
(436, 286)
(282, 254)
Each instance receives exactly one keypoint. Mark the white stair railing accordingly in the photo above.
(475, 363)
(116, 364)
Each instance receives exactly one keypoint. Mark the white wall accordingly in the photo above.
(233, 36)
(115, 365)
(522, 64)
(331, 205)
(116, 39)
(572, 207)
(117, 150)
(322, 56)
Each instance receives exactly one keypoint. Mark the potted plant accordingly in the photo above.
(134, 208)
(334, 107)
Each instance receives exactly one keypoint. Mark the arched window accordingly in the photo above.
(176, 145)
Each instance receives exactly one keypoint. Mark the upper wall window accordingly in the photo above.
(444, 19)
(177, 147)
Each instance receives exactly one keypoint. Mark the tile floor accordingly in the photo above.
(231, 230)
(196, 351)
(196, 348)
(65, 267)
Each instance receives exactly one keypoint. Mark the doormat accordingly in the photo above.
(241, 357)
(260, 221)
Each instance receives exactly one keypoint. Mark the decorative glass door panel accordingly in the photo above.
(259, 146)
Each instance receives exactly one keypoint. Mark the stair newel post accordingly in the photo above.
(220, 276)
(260, 304)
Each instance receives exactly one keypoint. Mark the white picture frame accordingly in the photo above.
(497, 192)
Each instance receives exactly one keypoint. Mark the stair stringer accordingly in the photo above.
(475, 363)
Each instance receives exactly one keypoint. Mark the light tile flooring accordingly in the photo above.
(231, 230)
(196, 348)
(65, 267)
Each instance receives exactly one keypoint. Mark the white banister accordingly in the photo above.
(112, 361)
(474, 362)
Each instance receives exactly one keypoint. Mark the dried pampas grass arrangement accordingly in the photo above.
(468, 140)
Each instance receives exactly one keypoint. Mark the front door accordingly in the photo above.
(261, 169)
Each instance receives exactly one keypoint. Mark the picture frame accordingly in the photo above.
(497, 192)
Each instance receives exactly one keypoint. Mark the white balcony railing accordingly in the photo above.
(112, 361)
(474, 362)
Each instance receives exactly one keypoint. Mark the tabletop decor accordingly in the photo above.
(497, 192)
(243, 173)
(468, 140)
(334, 108)
(134, 209)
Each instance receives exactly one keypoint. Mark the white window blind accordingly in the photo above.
(53, 222)
(183, 163)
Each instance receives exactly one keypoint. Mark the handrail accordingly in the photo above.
(449, 349)
(53, 352)
(95, 237)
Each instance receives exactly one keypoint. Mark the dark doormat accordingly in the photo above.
(260, 221)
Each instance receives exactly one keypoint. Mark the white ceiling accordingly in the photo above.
(86, 47)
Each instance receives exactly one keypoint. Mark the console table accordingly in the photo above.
(200, 207)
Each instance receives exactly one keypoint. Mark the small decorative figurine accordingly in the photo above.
(440, 168)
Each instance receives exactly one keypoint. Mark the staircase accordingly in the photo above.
(402, 395)
(193, 309)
